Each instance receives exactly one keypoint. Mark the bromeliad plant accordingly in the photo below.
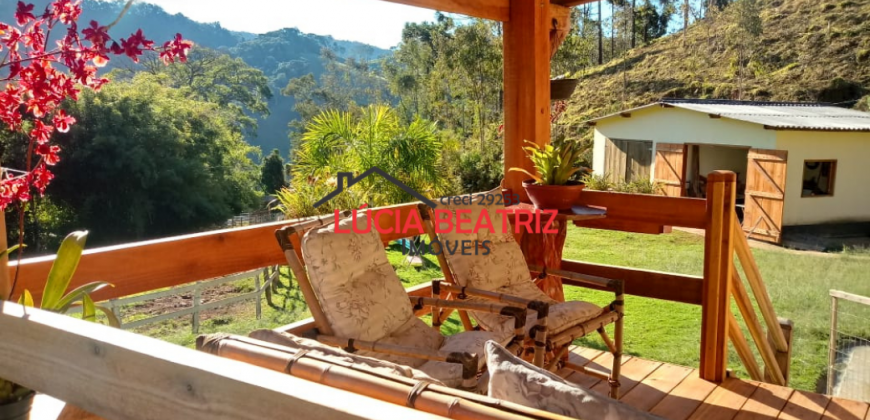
(55, 298)
(555, 163)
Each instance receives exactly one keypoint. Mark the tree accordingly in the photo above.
(346, 84)
(742, 35)
(147, 161)
(272, 173)
(215, 77)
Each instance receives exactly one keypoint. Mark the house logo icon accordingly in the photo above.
(351, 181)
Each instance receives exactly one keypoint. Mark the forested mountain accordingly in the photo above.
(779, 50)
(281, 55)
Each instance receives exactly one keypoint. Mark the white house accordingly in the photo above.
(797, 163)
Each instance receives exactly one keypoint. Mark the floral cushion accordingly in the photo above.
(562, 315)
(340, 356)
(361, 295)
(514, 380)
(503, 265)
(414, 333)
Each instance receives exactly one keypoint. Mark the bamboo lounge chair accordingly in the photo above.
(339, 373)
(502, 275)
(359, 304)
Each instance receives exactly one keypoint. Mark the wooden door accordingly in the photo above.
(765, 194)
(627, 160)
(669, 169)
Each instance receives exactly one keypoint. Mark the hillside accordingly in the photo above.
(809, 50)
(281, 55)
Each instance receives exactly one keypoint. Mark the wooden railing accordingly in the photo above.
(140, 267)
(116, 374)
(724, 237)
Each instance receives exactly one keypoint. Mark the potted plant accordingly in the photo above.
(552, 188)
(16, 400)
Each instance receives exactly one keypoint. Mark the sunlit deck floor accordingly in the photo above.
(677, 393)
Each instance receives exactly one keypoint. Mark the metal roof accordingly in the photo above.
(772, 115)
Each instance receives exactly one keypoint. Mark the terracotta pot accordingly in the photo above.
(561, 89)
(553, 197)
(19, 410)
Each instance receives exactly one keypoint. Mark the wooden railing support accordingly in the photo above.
(718, 271)
(753, 277)
(783, 358)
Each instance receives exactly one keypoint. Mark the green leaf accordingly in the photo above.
(11, 249)
(535, 177)
(113, 320)
(76, 294)
(26, 299)
(68, 257)
(89, 312)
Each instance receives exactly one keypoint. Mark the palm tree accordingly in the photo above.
(354, 142)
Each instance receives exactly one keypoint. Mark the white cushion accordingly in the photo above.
(514, 380)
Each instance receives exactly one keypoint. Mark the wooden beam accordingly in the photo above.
(646, 283)
(572, 3)
(526, 86)
(120, 375)
(143, 266)
(649, 209)
(718, 271)
(485, 9)
(624, 226)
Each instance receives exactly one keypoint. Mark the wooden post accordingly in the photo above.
(195, 320)
(718, 271)
(526, 85)
(783, 358)
(258, 302)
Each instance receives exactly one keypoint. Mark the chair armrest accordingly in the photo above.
(461, 292)
(601, 282)
(469, 361)
(519, 314)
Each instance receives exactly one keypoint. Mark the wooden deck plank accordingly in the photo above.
(578, 356)
(725, 401)
(685, 398)
(601, 363)
(633, 372)
(804, 405)
(765, 403)
(843, 409)
(656, 386)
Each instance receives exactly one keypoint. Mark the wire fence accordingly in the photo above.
(849, 348)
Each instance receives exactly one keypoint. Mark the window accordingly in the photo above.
(819, 178)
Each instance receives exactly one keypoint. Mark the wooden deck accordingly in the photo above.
(677, 393)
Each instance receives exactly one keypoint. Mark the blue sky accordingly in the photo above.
(374, 22)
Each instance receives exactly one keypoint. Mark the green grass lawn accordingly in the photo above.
(654, 329)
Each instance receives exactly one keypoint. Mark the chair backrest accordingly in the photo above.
(498, 260)
(352, 282)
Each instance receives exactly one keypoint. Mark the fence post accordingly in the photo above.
(718, 271)
(196, 302)
(832, 346)
(257, 302)
(116, 311)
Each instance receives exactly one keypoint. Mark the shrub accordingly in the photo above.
(481, 171)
